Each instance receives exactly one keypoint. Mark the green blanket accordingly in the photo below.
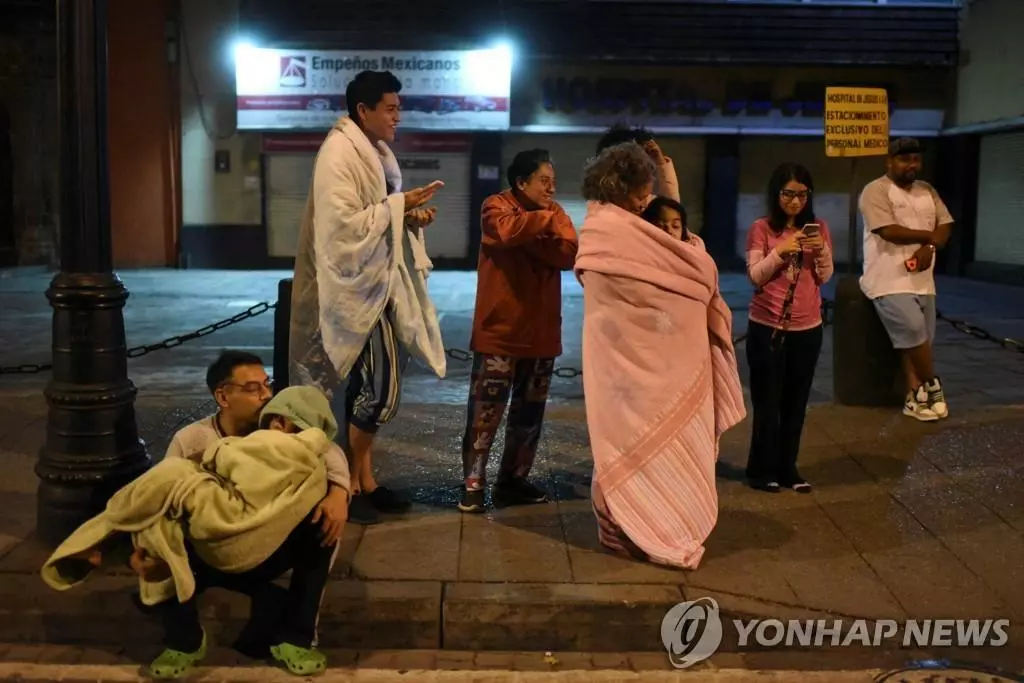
(237, 506)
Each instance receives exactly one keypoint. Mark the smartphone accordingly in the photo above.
(812, 229)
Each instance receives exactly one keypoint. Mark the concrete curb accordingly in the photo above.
(452, 616)
(385, 615)
(365, 615)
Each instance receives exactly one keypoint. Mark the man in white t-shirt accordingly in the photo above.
(240, 385)
(905, 222)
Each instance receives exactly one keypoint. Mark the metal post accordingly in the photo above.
(282, 333)
(92, 445)
(867, 369)
(851, 255)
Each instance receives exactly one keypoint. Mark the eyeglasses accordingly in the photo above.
(790, 195)
(252, 387)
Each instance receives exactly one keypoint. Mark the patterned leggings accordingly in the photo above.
(494, 380)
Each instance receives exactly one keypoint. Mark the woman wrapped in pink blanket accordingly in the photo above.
(659, 369)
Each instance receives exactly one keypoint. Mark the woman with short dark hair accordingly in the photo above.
(527, 241)
(789, 258)
(654, 414)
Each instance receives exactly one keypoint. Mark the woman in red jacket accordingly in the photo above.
(527, 241)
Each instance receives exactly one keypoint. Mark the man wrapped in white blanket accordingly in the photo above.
(360, 305)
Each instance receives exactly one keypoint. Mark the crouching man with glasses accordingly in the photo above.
(240, 386)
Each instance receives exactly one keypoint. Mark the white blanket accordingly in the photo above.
(355, 258)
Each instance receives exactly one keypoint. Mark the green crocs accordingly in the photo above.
(299, 660)
(173, 664)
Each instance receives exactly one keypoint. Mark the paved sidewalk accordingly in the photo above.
(907, 520)
(71, 664)
(453, 670)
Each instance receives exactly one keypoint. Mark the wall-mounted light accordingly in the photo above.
(241, 49)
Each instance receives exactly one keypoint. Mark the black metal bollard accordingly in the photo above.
(282, 322)
(866, 368)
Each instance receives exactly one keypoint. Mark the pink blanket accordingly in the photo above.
(661, 385)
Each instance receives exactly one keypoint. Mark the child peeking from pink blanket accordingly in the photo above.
(669, 215)
(654, 413)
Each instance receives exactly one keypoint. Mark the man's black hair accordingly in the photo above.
(620, 133)
(900, 146)
(220, 370)
(525, 164)
(369, 88)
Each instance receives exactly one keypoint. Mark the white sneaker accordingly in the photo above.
(936, 398)
(918, 410)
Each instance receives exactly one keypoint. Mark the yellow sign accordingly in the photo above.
(856, 122)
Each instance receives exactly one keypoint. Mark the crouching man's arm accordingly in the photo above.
(332, 511)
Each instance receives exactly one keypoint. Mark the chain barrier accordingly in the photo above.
(978, 333)
(25, 369)
(461, 355)
(169, 343)
(457, 354)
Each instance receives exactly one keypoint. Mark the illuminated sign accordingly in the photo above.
(305, 89)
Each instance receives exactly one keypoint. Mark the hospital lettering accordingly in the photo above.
(847, 130)
(855, 115)
(856, 143)
(854, 130)
(856, 98)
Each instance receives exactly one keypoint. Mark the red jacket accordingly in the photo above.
(519, 281)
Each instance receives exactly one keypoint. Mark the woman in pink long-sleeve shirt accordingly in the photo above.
(787, 262)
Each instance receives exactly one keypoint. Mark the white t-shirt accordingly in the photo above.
(883, 202)
(194, 439)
